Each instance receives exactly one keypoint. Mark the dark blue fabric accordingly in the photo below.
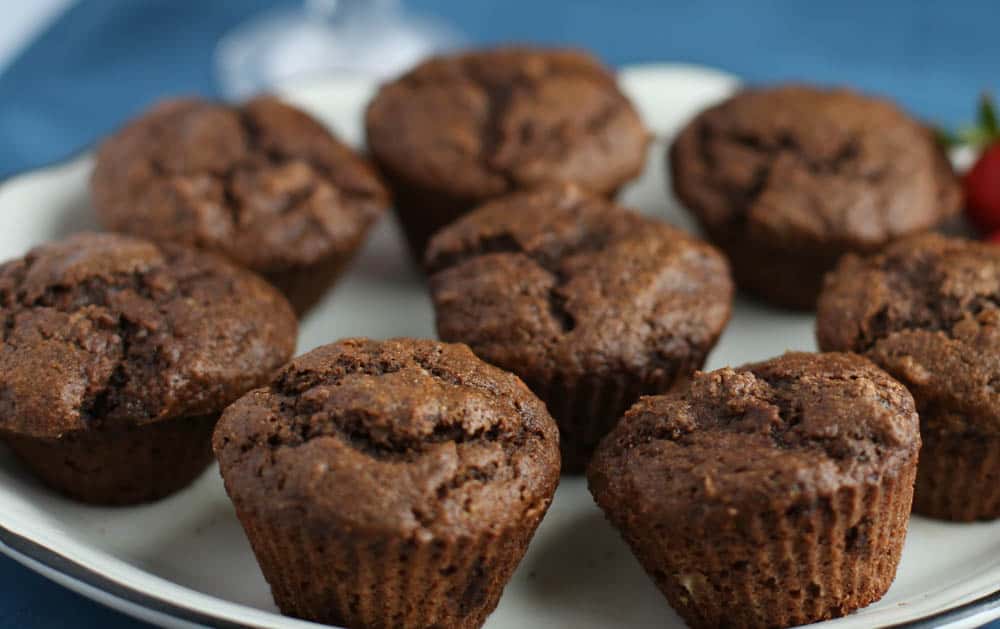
(104, 60)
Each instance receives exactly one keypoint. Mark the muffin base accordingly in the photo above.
(781, 277)
(421, 213)
(121, 465)
(368, 580)
(305, 286)
(781, 568)
(959, 477)
(587, 410)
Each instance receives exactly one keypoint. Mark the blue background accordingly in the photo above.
(104, 60)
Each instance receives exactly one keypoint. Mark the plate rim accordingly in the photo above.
(84, 580)
(17, 546)
(68, 159)
(13, 544)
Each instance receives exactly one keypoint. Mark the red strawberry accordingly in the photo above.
(982, 191)
(982, 182)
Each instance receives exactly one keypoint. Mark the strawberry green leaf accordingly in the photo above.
(988, 118)
(976, 137)
(946, 138)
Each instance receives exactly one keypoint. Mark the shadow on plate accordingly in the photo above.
(586, 571)
(385, 258)
(207, 551)
(78, 216)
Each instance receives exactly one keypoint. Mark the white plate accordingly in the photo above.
(184, 561)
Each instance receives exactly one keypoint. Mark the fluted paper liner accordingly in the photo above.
(364, 579)
(120, 466)
(959, 477)
(588, 409)
(305, 286)
(780, 569)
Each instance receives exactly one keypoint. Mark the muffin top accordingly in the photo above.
(558, 281)
(927, 309)
(103, 330)
(778, 433)
(475, 125)
(415, 437)
(262, 183)
(801, 167)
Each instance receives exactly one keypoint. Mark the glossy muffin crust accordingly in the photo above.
(263, 184)
(460, 129)
(927, 309)
(105, 335)
(399, 480)
(590, 303)
(773, 494)
(785, 179)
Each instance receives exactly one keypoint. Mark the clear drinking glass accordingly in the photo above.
(375, 38)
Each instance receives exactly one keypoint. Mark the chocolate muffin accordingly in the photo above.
(769, 495)
(590, 303)
(786, 179)
(263, 184)
(460, 129)
(118, 356)
(389, 483)
(927, 310)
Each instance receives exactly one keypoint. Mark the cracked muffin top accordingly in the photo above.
(780, 432)
(478, 124)
(416, 436)
(802, 167)
(558, 281)
(103, 329)
(263, 183)
(927, 309)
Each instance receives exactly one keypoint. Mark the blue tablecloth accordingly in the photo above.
(104, 60)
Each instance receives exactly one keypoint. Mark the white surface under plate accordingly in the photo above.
(184, 561)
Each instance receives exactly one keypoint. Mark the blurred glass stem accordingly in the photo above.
(374, 38)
